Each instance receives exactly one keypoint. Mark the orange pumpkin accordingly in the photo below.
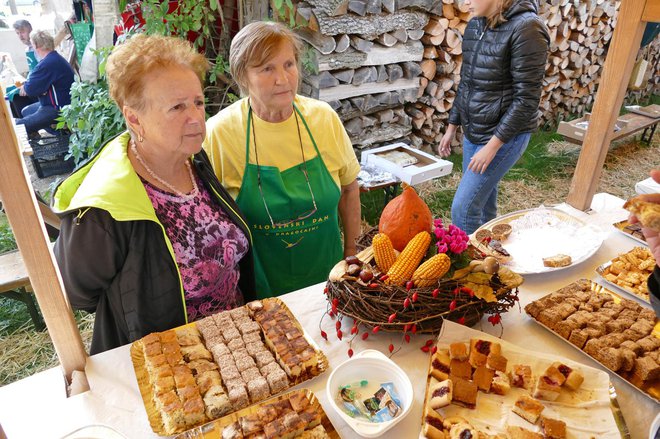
(404, 217)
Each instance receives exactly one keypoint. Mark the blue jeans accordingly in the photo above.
(37, 116)
(475, 202)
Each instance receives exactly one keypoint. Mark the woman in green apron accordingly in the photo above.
(287, 161)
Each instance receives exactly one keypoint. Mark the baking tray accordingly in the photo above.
(530, 243)
(146, 389)
(601, 271)
(621, 227)
(652, 389)
(213, 429)
(448, 335)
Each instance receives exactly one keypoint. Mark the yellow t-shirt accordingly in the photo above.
(278, 143)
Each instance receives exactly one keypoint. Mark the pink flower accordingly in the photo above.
(442, 248)
(456, 247)
(439, 233)
(437, 222)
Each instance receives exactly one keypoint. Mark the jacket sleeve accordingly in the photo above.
(38, 81)
(529, 51)
(654, 290)
(455, 113)
(89, 256)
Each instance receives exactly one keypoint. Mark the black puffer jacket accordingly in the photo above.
(502, 75)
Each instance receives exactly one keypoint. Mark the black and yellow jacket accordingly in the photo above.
(114, 255)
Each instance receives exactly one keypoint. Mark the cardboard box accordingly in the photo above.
(427, 167)
(577, 129)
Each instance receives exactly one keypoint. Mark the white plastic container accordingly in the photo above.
(375, 367)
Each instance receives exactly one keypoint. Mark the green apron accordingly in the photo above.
(302, 253)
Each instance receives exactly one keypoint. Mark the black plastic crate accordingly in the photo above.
(48, 156)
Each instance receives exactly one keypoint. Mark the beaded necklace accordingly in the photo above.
(168, 186)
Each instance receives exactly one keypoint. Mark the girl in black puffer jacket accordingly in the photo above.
(505, 48)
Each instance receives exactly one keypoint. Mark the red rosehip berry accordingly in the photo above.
(461, 321)
(406, 303)
(391, 318)
(373, 285)
(415, 296)
(429, 342)
(338, 324)
(391, 348)
(409, 285)
(435, 293)
(383, 278)
(406, 327)
(324, 335)
(375, 329)
(452, 305)
(425, 348)
(365, 335)
(414, 329)
(339, 334)
(354, 330)
(350, 352)
(434, 349)
(407, 338)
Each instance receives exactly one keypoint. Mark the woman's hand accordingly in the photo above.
(652, 236)
(444, 148)
(482, 158)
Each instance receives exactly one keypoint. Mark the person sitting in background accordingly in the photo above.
(50, 81)
(288, 162)
(23, 29)
(149, 238)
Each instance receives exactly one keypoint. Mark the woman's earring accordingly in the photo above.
(140, 138)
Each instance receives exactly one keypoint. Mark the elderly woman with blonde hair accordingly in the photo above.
(288, 162)
(150, 240)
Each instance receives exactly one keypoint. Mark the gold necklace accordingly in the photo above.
(156, 177)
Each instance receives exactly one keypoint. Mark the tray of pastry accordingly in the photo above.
(538, 240)
(296, 414)
(629, 272)
(482, 385)
(618, 333)
(632, 230)
(223, 363)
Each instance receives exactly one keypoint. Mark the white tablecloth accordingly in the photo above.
(36, 407)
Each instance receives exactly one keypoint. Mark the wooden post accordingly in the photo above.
(611, 91)
(27, 224)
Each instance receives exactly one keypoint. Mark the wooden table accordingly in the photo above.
(15, 284)
(633, 124)
(37, 406)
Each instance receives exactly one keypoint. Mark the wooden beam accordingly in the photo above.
(651, 11)
(27, 224)
(611, 91)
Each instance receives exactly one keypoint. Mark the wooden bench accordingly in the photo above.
(15, 284)
(643, 120)
(14, 279)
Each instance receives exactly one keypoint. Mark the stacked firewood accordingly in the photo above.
(580, 33)
(365, 57)
(443, 57)
(391, 68)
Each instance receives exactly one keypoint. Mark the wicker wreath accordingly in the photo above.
(397, 308)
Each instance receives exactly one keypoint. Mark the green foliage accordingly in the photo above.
(285, 8)
(309, 61)
(189, 18)
(92, 117)
(7, 241)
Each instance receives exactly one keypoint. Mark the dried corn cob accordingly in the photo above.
(383, 252)
(430, 271)
(409, 259)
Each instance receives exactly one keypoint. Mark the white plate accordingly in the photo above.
(544, 232)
